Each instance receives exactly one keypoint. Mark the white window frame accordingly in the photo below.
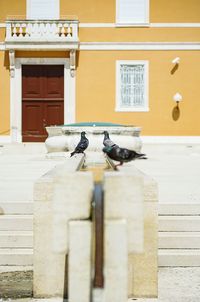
(119, 107)
(132, 24)
(29, 13)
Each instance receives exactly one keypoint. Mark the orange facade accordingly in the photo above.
(99, 49)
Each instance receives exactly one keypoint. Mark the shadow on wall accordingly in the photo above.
(176, 113)
(174, 69)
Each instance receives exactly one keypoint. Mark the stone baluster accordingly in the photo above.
(20, 30)
(62, 30)
(48, 29)
(27, 30)
(69, 33)
(14, 31)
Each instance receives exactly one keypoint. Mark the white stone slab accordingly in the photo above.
(124, 198)
(79, 259)
(116, 261)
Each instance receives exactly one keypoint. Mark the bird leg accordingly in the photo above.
(120, 164)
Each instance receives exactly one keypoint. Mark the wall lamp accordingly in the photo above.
(176, 60)
(177, 98)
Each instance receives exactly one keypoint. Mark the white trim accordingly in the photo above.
(16, 93)
(5, 139)
(98, 25)
(139, 46)
(119, 107)
(113, 25)
(171, 139)
(163, 25)
(175, 25)
(2, 46)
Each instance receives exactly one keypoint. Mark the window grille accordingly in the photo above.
(132, 86)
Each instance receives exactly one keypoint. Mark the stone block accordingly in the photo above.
(115, 261)
(79, 268)
(71, 200)
(124, 198)
(49, 272)
(143, 267)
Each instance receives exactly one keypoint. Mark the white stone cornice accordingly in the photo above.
(139, 45)
(163, 25)
(113, 25)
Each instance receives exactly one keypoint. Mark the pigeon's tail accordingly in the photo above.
(72, 153)
(141, 156)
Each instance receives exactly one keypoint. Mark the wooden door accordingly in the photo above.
(42, 100)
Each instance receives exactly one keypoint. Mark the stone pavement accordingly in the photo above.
(175, 285)
(176, 167)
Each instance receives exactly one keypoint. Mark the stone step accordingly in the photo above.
(16, 222)
(16, 239)
(179, 209)
(179, 240)
(179, 257)
(179, 223)
(25, 148)
(16, 207)
(16, 190)
(16, 256)
(167, 257)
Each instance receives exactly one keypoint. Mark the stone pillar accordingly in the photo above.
(116, 261)
(79, 269)
(64, 186)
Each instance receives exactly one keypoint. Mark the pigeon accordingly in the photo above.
(107, 141)
(122, 154)
(82, 145)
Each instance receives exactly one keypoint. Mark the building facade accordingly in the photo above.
(132, 62)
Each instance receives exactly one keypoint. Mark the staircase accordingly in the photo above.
(17, 176)
(179, 234)
(179, 223)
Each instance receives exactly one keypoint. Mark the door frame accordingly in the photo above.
(16, 93)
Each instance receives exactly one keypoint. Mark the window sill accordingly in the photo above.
(132, 24)
(131, 109)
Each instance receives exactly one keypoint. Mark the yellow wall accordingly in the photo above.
(139, 34)
(96, 91)
(95, 79)
(104, 10)
(4, 94)
(160, 10)
(12, 8)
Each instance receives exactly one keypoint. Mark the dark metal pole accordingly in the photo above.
(99, 235)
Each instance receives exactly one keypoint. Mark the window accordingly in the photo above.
(42, 9)
(132, 86)
(132, 12)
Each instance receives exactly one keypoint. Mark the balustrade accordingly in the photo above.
(41, 30)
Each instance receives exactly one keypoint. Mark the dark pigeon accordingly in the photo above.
(107, 141)
(82, 145)
(122, 154)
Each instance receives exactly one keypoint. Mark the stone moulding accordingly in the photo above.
(65, 138)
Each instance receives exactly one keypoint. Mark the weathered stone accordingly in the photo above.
(79, 269)
(124, 199)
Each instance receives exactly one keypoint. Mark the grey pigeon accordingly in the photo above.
(107, 141)
(82, 145)
(122, 154)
